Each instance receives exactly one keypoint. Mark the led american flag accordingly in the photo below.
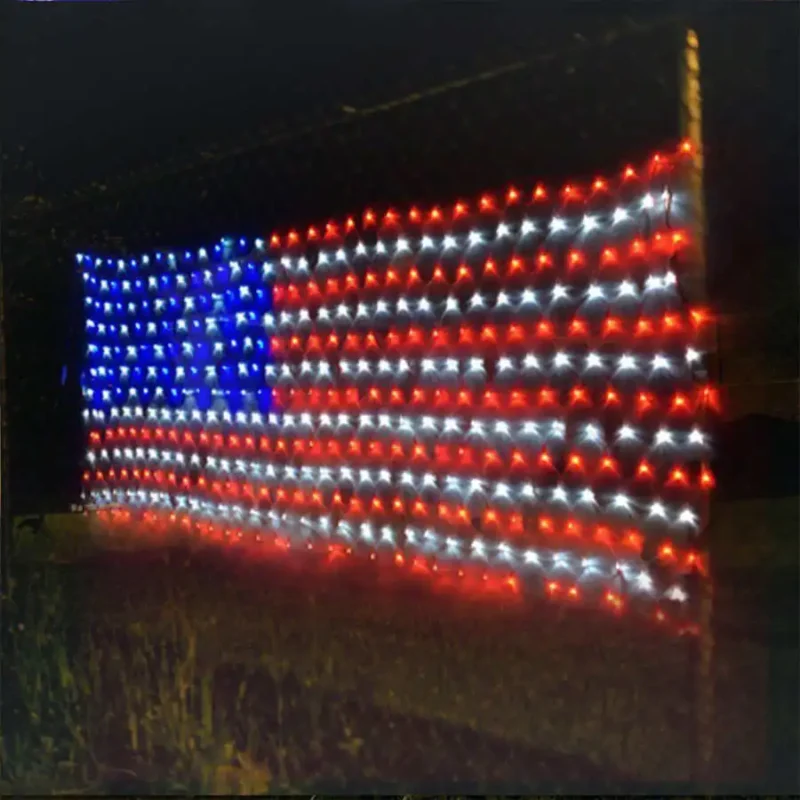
(509, 390)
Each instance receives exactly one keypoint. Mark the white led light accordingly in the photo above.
(594, 292)
(527, 226)
(449, 242)
(427, 243)
(663, 436)
(559, 292)
(560, 494)
(589, 223)
(676, 594)
(561, 360)
(558, 429)
(660, 363)
(477, 301)
(621, 501)
(505, 364)
(530, 361)
(620, 215)
(696, 436)
(531, 557)
(593, 361)
(401, 245)
(648, 202)
(502, 230)
(475, 238)
(657, 509)
(557, 225)
(692, 355)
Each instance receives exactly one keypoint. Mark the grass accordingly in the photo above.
(172, 669)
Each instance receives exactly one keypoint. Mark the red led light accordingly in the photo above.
(609, 257)
(545, 329)
(575, 259)
(707, 478)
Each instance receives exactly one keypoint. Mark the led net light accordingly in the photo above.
(513, 387)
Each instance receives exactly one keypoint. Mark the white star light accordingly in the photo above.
(593, 361)
(663, 436)
(594, 292)
(561, 360)
(696, 437)
(660, 363)
(621, 501)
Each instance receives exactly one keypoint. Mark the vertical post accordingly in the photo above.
(6, 521)
(696, 285)
(692, 130)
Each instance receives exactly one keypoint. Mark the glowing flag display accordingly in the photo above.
(510, 388)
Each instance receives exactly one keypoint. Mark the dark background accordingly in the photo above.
(129, 126)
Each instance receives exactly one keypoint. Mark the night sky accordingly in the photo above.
(94, 89)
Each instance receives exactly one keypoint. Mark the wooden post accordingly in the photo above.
(6, 520)
(697, 289)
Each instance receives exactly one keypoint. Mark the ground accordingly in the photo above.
(176, 668)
